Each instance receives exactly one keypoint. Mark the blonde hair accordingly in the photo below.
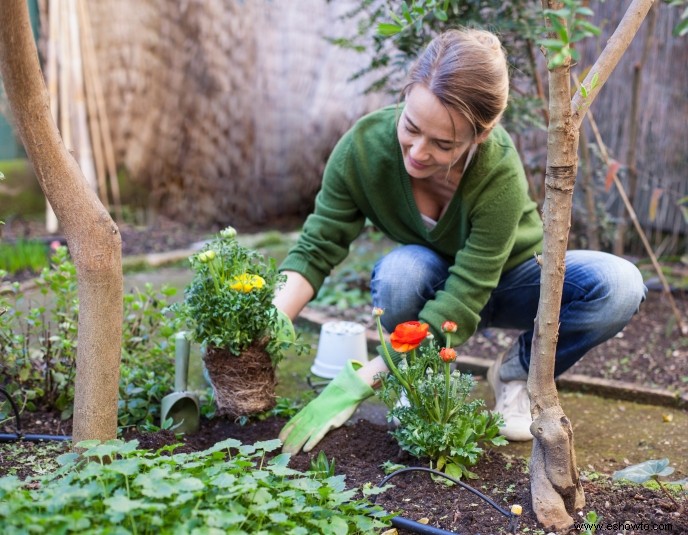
(467, 71)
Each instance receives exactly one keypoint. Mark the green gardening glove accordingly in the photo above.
(334, 406)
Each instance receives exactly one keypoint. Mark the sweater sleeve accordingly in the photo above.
(335, 222)
(495, 216)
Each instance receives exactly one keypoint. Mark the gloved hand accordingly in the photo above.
(334, 406)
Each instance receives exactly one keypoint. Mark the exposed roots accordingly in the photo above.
(243, 384)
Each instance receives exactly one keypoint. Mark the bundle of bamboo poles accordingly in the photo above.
(76, 98)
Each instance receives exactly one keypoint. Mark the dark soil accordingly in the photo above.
(361, 448)
(649, 352)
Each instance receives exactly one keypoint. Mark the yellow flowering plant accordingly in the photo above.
(228, 303)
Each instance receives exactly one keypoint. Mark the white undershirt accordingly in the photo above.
(428, 221)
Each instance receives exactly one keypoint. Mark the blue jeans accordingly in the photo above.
(600, 295)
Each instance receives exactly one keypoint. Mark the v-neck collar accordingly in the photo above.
(449, 212)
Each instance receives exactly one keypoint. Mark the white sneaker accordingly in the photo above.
(513, 403)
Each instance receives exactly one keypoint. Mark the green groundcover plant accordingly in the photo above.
(228, 303)
(229, 488)
(38, 342)
(429, 402)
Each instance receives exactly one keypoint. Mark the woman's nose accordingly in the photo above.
(418, 150)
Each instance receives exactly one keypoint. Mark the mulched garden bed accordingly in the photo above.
(360, 449)
(649, 352)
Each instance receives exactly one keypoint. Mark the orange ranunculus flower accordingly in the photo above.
(408, 336)
(447, 354)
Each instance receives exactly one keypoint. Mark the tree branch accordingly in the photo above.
(610, 56)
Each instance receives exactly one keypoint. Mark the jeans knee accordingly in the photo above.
(404, 280)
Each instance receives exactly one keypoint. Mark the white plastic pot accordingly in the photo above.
(340, 341)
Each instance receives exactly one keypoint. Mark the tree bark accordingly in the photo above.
(555, 484)
(92, 237)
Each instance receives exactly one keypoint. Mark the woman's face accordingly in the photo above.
(432, 138)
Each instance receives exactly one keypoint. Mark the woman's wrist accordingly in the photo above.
(369, 371)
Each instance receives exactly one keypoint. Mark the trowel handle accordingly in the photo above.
(182, 348)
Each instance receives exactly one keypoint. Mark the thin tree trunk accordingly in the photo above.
(93, 238)
(555, 485)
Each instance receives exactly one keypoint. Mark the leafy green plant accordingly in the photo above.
(38, 340)
(229, 488)
(592, 522)
(228, 303)
(651, 470)
(23, 255)
(322, 466)
(394, 33)
(430, 402)
(569, 27)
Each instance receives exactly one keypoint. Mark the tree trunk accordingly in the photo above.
(555, 485)
(92, 237)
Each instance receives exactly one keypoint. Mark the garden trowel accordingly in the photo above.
(181, 406)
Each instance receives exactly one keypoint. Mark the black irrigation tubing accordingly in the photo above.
(18, 435)
(417, 527)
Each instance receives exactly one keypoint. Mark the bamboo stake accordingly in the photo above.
(92, 109)
(683, 328)
(51, 223)
(81, 138)
(101, 110)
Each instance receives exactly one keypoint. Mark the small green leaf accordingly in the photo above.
(386, 29)
(642, 472)
(681, 28)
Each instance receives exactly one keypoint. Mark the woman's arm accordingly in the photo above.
(294, 295)
(291, 299)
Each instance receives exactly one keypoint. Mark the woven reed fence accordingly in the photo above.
(648, 138)
(225, 111)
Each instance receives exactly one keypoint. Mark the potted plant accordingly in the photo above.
(228, 309)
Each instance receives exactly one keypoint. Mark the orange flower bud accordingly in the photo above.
(449, 327)
(447, 354)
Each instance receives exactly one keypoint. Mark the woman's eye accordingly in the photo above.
(444, 147)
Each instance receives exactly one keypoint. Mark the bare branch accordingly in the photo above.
(610, 56)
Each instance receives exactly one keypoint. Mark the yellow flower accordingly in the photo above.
(246, 282)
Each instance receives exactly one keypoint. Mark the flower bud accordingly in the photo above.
(447, 354)
(228, 233)
(209, 255)
(377, 312)
(449, 327)
(202, 257)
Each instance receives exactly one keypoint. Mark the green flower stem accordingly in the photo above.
(390, 364)
(447, 385)
(214, 275)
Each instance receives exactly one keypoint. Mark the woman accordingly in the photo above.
(442, 178)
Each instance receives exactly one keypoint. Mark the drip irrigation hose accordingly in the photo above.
(18, 435)
(417, 527)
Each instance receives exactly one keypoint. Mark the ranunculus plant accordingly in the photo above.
(228, 310)
(429, 401)
(229, 301)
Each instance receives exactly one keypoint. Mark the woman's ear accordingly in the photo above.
(483, 136)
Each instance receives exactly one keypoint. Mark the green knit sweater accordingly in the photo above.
(490, 226)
